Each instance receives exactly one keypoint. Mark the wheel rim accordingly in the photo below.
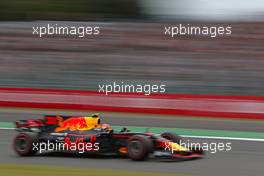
(135, 147)
(21, 144)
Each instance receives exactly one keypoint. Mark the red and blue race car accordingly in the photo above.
(88, 135)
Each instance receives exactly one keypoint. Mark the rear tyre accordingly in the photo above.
(23, 144)
(139, 147)
(172, 137)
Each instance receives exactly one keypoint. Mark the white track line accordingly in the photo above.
(7, 128)
(201, 137)
(225, 138)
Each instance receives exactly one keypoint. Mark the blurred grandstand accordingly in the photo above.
(132, 52)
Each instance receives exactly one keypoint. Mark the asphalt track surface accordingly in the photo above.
(245, 159)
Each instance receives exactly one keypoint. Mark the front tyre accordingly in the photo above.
(23, 144)
(139, 147)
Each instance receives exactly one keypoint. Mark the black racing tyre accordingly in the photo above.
(23, 143)
(139, 147)
(172, 137)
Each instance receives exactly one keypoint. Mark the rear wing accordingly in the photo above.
(28, 125)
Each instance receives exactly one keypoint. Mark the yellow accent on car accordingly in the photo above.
(177, 147)
(92, 122)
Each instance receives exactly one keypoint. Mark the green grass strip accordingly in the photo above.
(180, 131)
(7, 125)
(197, 132)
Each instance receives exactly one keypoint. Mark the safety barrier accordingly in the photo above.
(248, 107)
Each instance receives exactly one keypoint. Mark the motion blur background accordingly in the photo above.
(132, 46)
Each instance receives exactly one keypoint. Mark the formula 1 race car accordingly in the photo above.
(89, 135)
